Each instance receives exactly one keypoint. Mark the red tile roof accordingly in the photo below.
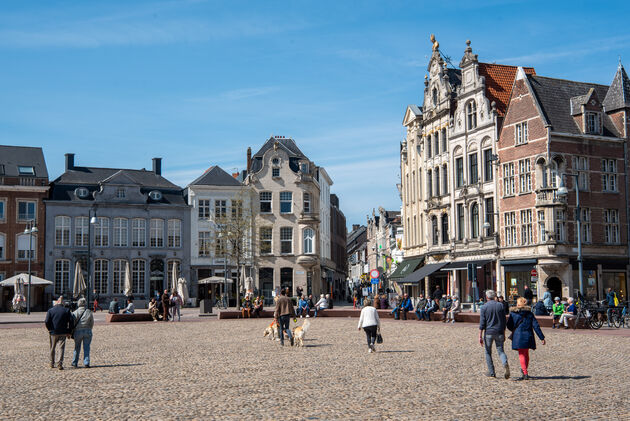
(499, 81)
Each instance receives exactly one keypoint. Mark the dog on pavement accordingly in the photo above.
(299, 333)
(272, 331)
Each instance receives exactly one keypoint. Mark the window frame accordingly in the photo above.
(284, 240)
(101, 232)
(62, 230)
(174, 233)
(471, 115)
(138, 232)
(100, 275)
(265, 201)
(156, 233)
(25, 217)
(308, 243)
(285, 201)
(121, 232)
(521, 134)
(204, 208)
(473, 168)
(265, 235)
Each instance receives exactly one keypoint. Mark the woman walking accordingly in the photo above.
(83, 324)
(370, 323)
(523, 324)
(176, 305)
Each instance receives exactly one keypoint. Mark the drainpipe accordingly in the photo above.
(625, 156)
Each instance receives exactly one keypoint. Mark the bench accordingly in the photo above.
(135, 317)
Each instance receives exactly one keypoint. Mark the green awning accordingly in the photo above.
(406, 267)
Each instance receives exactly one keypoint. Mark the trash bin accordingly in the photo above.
(205, 306)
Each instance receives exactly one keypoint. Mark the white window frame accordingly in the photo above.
(138, 232)
(508, 179)
(521, 133)
(101, 232)
(156, 238)
(3, 246)
(285, 239)
(609, 175)
(3, 210)
(118, 275)
(62, 276)
(62, 230)
(121, 232)
(81, 229)
(560, 226)
(266, 237)
(309, 240)
(27, 216)
(509, 219)
(205, 244)
(542, 228)
(220, 209)
(100, 270)
(585, 222)
(204, 208)
(611, 226)
(527, 232)
(285, 200)
(138, 275)
(267, 198)
(524, 176)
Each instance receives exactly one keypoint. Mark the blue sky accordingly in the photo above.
(196, 82)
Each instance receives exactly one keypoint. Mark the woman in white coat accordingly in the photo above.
(370, 323)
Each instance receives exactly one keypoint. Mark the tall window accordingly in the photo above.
(309, 235)
(62, 230)
(592, 123)
(265, 201)
(459, 172)
(527, 234)
(138, 275)
(174, 233)
(436, 178)
(609, 175)
(307, 203)
(23, 246)
(490, 214)
(101, 232)
(542, 230)
(121, 230)
(521, 133)
(435, 234)
(3, 246)
(420, 185)
(204, 209)
(205, 243)
(429, 184)
(81, 227)
(444, 144)
(524, 176)
(474, 221)
(157, 232)
(429, 146)
(286, 240)
(100, 276)
(580, 165)
(585, 222)
(444, 228)
(473, 168)
(471, 113)
(560, 225)
(460, 221)
(444, 179)
(487, 165)
(611, 226)
(286, 202)
(237, 209)
(220, 248)
(510, 228)
(436, 143)
(26, 210)
(220, 209)
(138, 232)
(434, 96)
(118, 276)
(508, 179)
(62, 276)
(2, 211)
(266, 235)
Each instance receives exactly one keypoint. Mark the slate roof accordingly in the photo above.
(12, 156)
(554, 97)
(93, 176)
(618, 95)
(415, 109)
(215, 176)
(285, 143)
(499, 81)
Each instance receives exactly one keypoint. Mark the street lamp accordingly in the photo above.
(92, 221)
(563, 192)
(30, 230)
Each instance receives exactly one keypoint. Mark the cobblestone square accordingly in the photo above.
(225, 370)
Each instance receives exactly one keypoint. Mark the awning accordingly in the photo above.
(519, 265)
(464, 264)
(214, 280)
(406, 267)
(421, 273)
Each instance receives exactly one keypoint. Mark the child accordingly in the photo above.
(557, 309)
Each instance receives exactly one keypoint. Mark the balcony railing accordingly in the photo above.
(548, 196)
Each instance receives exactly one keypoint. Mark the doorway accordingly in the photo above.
(554, 285)
(265, 279)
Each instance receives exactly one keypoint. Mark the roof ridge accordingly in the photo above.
(506, 65)
(572, 81)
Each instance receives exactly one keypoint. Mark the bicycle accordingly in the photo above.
(588, 314)
(221, 303)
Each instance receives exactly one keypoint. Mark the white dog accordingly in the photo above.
(299, 333)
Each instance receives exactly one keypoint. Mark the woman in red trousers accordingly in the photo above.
(523, 324)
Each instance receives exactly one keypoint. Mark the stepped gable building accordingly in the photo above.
(448, 183)
(23, 188)
(287, 204)
(554, 132)
(213, 196)
(111, 219)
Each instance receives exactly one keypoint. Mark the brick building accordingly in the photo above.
(338, 236)
(554, 130)
(23, 188)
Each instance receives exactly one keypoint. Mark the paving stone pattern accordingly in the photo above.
(226, 370)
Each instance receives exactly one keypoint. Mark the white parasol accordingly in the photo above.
(19, 286)
(23, 277)
(127, 285)
(78, 286)
(174, 280)
(182, 289)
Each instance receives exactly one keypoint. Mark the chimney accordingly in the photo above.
(249, 159)
(157, 166)
(355, 227)
(69, 161)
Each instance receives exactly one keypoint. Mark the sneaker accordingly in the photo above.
(453, 322)
(488, 374)
(300, 316)
(60, 367)
(87, 366)
(370, 350)
(373, 348)
(507, 371)
(74, 366)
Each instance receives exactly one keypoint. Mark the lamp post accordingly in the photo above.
(563, 192)
(91, 221)
(30, 230)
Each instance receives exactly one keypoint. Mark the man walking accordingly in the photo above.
(59, 323)
(282, 315)
(492, 329)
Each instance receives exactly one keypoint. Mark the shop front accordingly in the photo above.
(459, 284)
(517, 274)
(403, 269)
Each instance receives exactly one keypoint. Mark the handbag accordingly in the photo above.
(379, 337)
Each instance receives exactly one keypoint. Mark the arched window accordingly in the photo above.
(434, 230)
(471, 112)
(444, 228)
(435, 96)
(553, 174)
(474, 221)
(309, 236)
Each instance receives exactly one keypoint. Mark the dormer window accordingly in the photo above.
(121, 193)
(155, 195)
(592, 125)
(471, 113)
(304, 167)
(275, 167)
(82, 192)
(275, 172)
(26, 170)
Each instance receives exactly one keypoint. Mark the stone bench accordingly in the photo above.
(135, 317)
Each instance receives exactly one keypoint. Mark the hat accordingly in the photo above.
(557, 299)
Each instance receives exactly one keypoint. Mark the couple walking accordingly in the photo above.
(63, 324)
(521, 322)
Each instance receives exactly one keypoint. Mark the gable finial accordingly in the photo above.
(436, 45)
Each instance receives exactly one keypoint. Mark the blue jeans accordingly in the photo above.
(284, 322)
(498, 340)
(82, 336)
(301, 311)
(318, 309)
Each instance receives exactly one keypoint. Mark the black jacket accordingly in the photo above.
(59, 320)
(528, 294)
(437, 294)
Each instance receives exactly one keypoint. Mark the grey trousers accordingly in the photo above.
(57, 342)
(498, 340)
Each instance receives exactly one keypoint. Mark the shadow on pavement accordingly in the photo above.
(114, 365)
(561, 377)
(316, 346)
(382, 352)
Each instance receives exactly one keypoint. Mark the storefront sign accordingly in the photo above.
(591, 277)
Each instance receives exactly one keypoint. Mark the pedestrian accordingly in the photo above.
(245, 309)
(176, 306)
(454, 309)
(528, 295)
(153, 309)
(523, 324)
(131, 308)
(355, 298)
(492, 330)
(114, 307)
(258, 306)
(59, 323)
(96, 305)
(321, 305)
(370, 322)
(282, 316)
(437, 295)
(83, 324)
(166, 304)
(558, 310)
(506, 305)
(384, 301)
(420, 305)
(547, 300)
(569, 313)
(612, 301)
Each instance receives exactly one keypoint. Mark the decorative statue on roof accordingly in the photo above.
(436, 45)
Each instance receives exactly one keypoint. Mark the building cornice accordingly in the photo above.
(25, 189)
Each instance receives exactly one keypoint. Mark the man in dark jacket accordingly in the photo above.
(166, 303)
(59, 322)
(437, 295)
(492, 329)
(282, 316)
(528, 295)
(404, 307)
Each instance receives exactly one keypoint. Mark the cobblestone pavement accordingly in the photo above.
(226, 370)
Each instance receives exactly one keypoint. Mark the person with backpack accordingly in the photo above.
(612, 301)
(522, 323)
(83, 324)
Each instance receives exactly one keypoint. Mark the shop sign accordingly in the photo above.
(591, 277)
